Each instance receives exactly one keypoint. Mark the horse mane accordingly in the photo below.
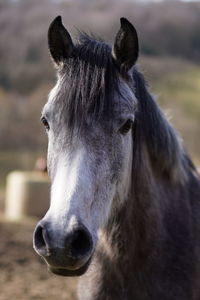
(153, 131)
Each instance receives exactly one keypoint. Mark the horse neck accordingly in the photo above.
(136, 230)
(132, 229)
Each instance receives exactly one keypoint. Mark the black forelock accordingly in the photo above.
(92, 80)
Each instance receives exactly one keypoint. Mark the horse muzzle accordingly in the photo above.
(66, 256)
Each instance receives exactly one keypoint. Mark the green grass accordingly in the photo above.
(180, 94)
(183, 89)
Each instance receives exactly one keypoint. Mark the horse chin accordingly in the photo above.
(68, 272)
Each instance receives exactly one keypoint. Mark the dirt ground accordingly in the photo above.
(23, 274)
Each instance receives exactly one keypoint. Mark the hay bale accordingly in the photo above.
(27, 194)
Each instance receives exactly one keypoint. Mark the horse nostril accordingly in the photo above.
(81, 243)
(39, 241)
(69, 249)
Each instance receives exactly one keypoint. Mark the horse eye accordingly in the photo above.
(46, 124)
(126, 127)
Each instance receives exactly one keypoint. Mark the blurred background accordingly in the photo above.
(169, 57)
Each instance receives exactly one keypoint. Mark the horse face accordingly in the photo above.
(90, 173)
(89, 165)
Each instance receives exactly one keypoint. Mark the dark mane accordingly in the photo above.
(162, 141)
(154, 130)
(92, 79)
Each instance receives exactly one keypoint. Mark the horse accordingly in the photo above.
(125, 197)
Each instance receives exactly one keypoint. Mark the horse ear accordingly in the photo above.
(126, 48)
(59, 41)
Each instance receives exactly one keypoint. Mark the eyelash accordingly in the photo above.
(45, 123)
(126, 127)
